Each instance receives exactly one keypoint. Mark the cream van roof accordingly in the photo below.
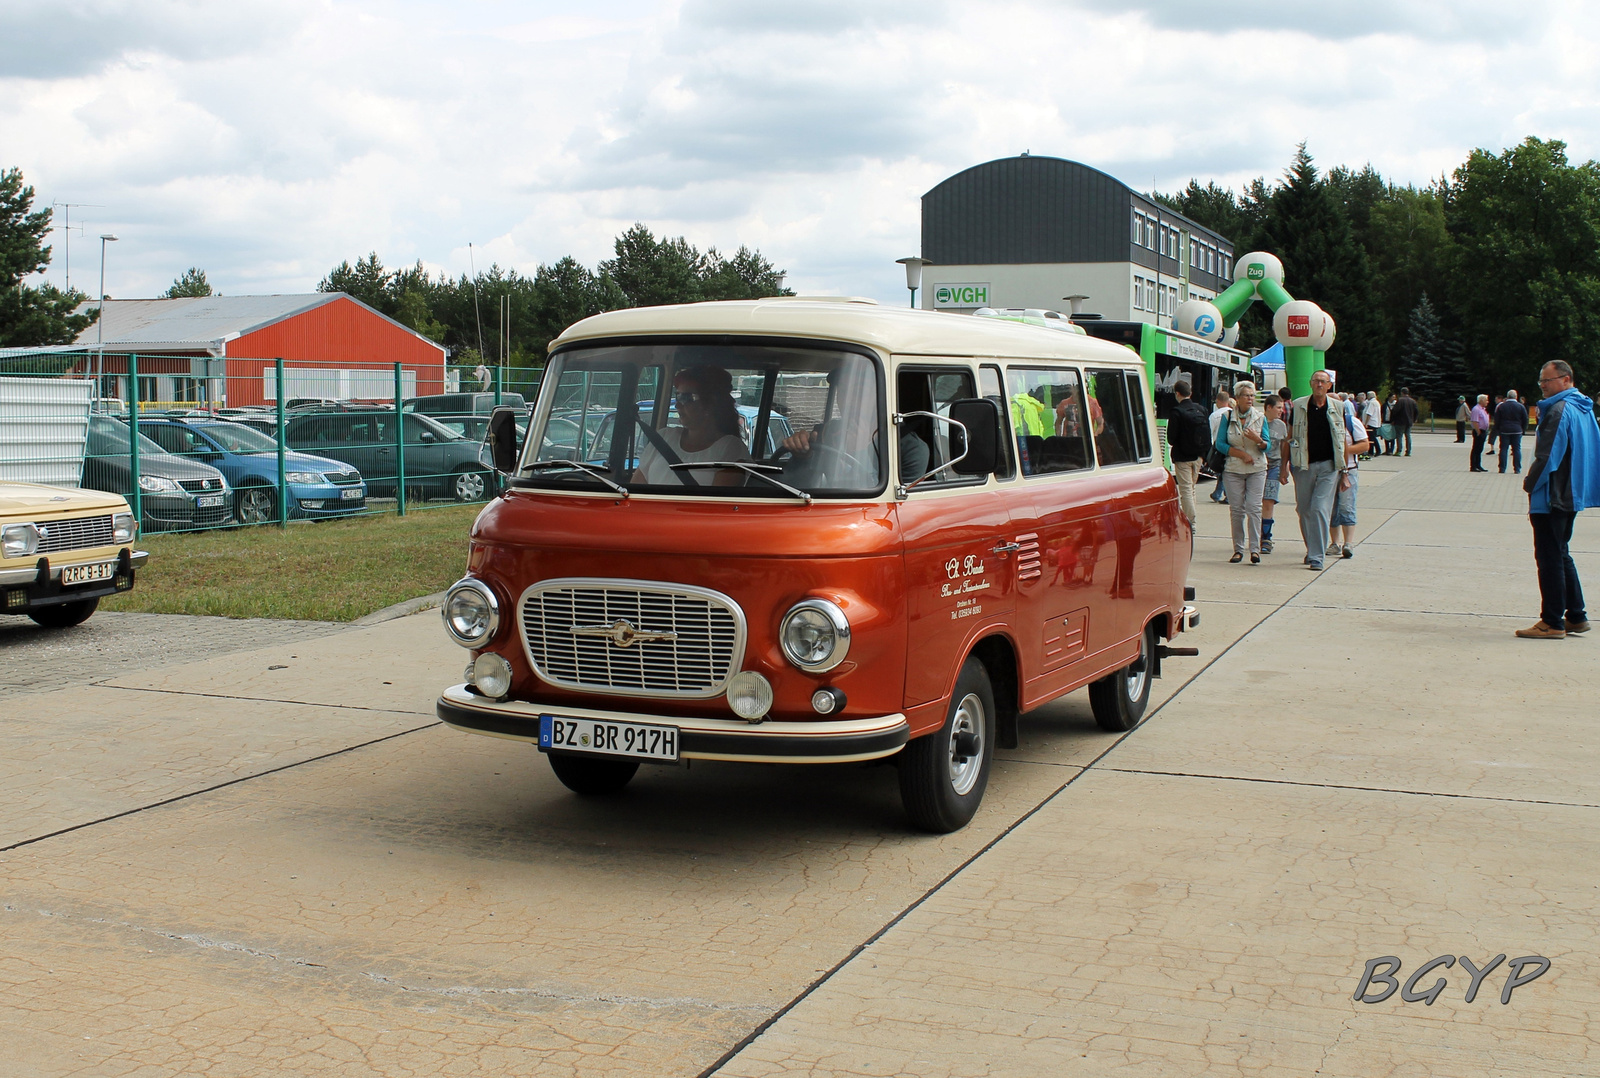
(895, 330)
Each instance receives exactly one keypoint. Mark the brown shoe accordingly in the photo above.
(1577, 626)
(1541, 631)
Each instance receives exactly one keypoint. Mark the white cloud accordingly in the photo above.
(265, 143)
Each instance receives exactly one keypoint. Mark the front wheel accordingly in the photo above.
(64, 615)
(1119, 699)
(469, 486)
(943, 775)
(591, 777)
(256, 505)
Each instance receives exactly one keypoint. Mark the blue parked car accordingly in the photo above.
(318, 487)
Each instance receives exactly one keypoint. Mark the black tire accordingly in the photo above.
(469, 485)
(1119, 700)
(591, 777)
(64, 615)
(939, 788)
(256, 505)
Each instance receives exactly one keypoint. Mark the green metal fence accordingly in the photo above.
(192, 445)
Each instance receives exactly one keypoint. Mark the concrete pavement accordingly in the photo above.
(273, 861)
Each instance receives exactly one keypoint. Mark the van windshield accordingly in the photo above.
(710, 419)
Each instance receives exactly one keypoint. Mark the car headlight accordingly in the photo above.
(155, 484)
(304, 477)
(123, 529)
(471, 612)
(750, 695)
(815, 635)
(491, 675)
(19, 540)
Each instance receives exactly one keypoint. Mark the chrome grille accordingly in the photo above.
(342, 477)
(77, 534)
(704, 646)
(194, 486)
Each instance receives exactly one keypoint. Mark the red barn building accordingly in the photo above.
(220, 350)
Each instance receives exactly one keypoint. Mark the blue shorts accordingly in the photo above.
(1269, 493)
(1344, 506)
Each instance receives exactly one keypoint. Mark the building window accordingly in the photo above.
(1138, 293)
(1138, 230)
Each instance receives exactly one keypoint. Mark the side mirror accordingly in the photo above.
(504, 444)
(426, 437)
(977, 449)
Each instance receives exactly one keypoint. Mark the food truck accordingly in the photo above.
(964, 519)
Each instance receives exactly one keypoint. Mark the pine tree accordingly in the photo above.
(192, 283)
(1422, 364)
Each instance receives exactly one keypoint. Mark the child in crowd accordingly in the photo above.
(1357, 442)
(1277, 466)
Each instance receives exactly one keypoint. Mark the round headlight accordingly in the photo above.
(815, 635)
(749, 694)
(492, 675)
(471, 612)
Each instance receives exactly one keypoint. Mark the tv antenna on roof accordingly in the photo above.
(66, 232)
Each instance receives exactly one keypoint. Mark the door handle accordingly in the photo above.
(1004, 548)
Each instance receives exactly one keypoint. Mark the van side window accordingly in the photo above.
(1141, 424)
(1046, 407)
(1111, 417)
(990, 387)
(924, 444)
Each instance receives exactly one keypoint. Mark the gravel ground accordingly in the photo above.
(34, 659)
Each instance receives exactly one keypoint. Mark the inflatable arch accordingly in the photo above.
(1305, 330)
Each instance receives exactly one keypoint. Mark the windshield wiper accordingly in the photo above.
(598, 473)
(760, 471)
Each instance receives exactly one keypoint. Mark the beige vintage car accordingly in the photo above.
(62, 550)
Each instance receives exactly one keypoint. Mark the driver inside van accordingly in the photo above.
(709, 432)
(842, 452)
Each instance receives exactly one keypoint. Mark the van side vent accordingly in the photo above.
(1028, 566)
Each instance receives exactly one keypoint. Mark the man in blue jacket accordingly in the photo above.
(1563, 479)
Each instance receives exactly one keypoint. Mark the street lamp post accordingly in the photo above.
(100, 323)
(913, 274)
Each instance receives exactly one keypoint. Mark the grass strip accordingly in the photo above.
(334, 571)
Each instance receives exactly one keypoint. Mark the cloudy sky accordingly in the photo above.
(266, 140)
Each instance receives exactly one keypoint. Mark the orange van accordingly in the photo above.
(795, 531)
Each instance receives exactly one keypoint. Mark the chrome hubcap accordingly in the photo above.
(469, 486)
(1136, 679)
(968, 721)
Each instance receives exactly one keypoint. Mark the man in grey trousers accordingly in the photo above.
(1316, 460)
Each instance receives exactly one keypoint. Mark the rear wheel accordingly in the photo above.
(256, 505)
(469, 486)
(943, 775)
(591, 777)
(1119, 700)
(64, 615)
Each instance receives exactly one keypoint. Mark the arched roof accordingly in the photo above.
(1032, 209)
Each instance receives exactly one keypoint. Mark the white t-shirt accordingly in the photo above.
(1372, 412)
(1216, 421)
(654, 468)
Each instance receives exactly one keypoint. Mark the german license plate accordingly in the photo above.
(632, 739)
(350, 494)
(83, 574)
(210, 501)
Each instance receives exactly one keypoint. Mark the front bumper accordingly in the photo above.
(29, 588)
(820, 742)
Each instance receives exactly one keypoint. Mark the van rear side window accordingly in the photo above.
(1114, 398)
(1048, 416)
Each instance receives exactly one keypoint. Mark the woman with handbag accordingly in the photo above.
(1244, 437)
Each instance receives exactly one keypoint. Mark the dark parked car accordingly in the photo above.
(460, 403)
(317, 486)
(438, 461)
(175, 493)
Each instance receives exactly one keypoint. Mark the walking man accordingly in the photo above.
(1187, 437)
(1463, 417)
(1511, 422)
(1402, 418)
(1480, 431)
(1316, 460)
(1372, 419)
(1224, 404)
(1563, 479)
